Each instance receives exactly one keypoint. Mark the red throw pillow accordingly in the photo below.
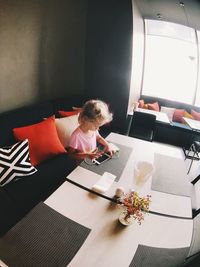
(178, 115)
(154, 106)
(43, 140)
(68, 113)
(141, 103)
(195, 115)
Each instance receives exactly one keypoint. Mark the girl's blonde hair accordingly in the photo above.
(95, 111)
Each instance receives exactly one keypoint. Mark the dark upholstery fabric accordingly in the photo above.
(66, 104)
(21, 196)
(9, 212)
(17, 198)
(22, 117)
(142, 126)
(51, 174)
(174, 134)
(140, 133)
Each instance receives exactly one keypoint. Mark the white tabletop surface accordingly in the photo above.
(109, 243)
(160, 116)
(194, 124)
(162, 202)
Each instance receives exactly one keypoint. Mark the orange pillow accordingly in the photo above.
(43, 140)
(195, 115)
(154, 106)
(178, 115)
(141, 103)
(145, 106)
(187, 115)
(68, 113)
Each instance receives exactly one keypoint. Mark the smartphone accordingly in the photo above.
(102, 159)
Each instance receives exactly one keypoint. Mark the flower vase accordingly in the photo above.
(125, 218)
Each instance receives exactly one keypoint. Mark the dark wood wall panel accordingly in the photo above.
(109, 54)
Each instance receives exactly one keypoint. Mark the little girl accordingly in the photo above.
(83, 141)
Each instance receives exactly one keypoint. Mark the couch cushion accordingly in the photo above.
(9, 211)
(37, 187)
(154, 106)
(21, 117)
(178, 115)
(141, 103)
(43, 140)
(196, 115)
(65, 127)
(187, 115)
(15, 162)
(66, 103)
(63, 113)
(169, 103)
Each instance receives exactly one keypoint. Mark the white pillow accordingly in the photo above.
(65, 127)
(168, 111)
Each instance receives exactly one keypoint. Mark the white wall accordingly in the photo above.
(137, 55)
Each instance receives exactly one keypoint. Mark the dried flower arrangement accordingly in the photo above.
(135, 206)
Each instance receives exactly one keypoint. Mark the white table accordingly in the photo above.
(163, 203)
(109, 243)
(194, 124)
(160, 116)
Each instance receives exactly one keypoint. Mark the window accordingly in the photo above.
(197, 98)
(170, 69)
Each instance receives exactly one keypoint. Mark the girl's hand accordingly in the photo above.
(109, 150)
(94, 154)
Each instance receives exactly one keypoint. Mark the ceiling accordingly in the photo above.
(171, 10)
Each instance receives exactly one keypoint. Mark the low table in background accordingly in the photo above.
(160, 116)
(194, 124)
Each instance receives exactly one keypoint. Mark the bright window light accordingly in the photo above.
(197, 100)
(170, 69)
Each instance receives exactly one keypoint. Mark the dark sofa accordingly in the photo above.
(18, 198)
(175, 133)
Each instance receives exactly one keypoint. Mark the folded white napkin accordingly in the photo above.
(104, 183)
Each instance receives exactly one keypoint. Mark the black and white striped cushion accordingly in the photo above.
(15, 162)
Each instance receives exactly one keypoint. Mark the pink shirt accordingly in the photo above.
(81, 141)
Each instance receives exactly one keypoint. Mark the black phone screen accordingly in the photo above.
(103, 158)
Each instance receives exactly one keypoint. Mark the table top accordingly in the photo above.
(160, 116)
(162, 202)
(194, 124)
(109, 243)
